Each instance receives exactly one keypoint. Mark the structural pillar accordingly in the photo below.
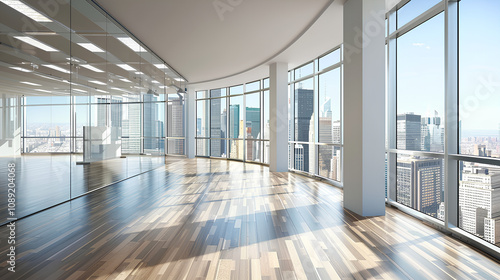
(190, 125)
(364, 107)
(278, 119)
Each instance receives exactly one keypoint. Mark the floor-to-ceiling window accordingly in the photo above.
(315, 123)
(233, 122)
(443, 123)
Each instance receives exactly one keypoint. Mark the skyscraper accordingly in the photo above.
(175, 126)
(150, 122)
(431, 133)
(215, 123)
(234, 121)
(253, 118)
(409, 132)
(479, 203)
(304, 108)
(419, 183)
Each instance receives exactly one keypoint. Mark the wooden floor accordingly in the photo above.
(46, 180)
(216, 219)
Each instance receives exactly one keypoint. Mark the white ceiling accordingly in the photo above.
(235, 42)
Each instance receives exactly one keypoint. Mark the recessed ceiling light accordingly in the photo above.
(98, 83)
(179, 79)
(36, 43)
(79, 90)
(133, 45)
(20, 69)
(31, 84)
(160, 66)
(115, 88)
(139, 73)
(26, 10)
(102, 91)
(91, 47)
(92, 68)
(155, 82)
(42, 90)
(126, 67)
(125, 80)
(60, 69)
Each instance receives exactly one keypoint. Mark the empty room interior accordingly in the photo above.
(238, 139)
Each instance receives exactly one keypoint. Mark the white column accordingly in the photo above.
(278, 119)
(190, 124)
(364, 107)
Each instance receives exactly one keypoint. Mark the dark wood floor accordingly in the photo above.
(46, 180)
(216, 219)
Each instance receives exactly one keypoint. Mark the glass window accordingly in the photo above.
(266, 116)
(478, 77)
(252, 86)
(420, 184)
(202, 119)
(329, 60)
(478, 196)
(329, 107)
(236, 90)
(420, 87)
(253, 116)
(329, 162)
(236, 149)
(201, 94)
(266, 83)
(304, 111)
(218, 127)
(202, 147)
(218, 92)
(413, 9)
(236, 125)
(175, 112)
(303, 71)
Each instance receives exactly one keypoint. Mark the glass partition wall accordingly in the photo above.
(443, 131)
(68, 69)
(233, 122)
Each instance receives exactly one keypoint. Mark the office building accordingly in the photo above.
(326, 139)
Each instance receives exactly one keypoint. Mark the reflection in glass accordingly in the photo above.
(330, 162)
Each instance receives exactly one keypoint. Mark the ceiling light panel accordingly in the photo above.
(133, 45)
(98, 83)
(36, 43)
(20, 69)
(91, 47)
(31, 84)
(57, 68)
(126, 67)
(92, 68)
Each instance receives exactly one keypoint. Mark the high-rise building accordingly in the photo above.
(215, 124)
(150, 122)
(409, 132)
(431, 133)
(419, 183)
(253, 117)
(304, 109)
(175, 125)
(234, 121)
(479, 203)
